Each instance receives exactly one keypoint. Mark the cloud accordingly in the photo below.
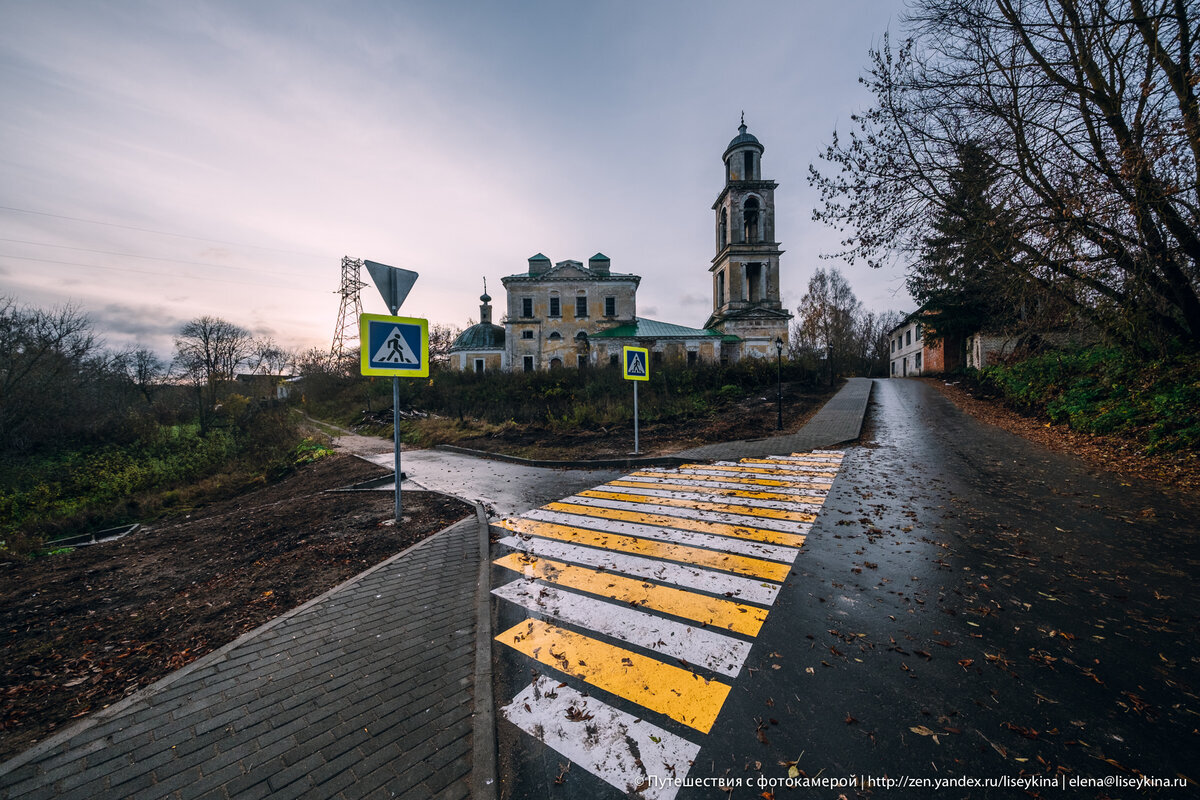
(136, 321)
(690, 299)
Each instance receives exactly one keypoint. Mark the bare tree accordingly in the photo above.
(824, 330)
(45, 358)
(441, 336)
(1087, 112)
(208, 351)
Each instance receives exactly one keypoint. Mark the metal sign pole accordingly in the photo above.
(636, 449)
(396, 438)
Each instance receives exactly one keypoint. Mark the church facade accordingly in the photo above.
(571, 315)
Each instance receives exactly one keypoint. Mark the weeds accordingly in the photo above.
(1104, 390)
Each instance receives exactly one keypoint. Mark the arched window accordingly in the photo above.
(723, 237)
(554, 336)
(752, 220)
(581, 338)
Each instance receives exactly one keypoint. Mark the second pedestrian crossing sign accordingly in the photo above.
(637, 364)
(397, 346)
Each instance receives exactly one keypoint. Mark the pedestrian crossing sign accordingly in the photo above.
(637, 364)
(397, 346)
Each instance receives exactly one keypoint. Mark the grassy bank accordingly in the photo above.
(168, 468)
(560, 400)
(1103, 390)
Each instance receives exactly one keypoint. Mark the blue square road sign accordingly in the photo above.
(396, 346)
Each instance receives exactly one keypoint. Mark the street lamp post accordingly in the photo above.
(778, 383)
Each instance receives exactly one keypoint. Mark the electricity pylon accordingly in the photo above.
(345, 332)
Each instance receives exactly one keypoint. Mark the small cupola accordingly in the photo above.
(485, 307)
(743, 156)
(599, 264)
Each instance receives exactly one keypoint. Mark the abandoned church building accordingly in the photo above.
(571, 315)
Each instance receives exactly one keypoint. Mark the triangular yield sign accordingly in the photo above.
(393, 283)
(395, 350)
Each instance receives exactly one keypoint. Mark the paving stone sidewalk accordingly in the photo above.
(366, 691)
(839, 420)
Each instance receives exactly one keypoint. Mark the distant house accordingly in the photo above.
(913, 352)
(278, 387)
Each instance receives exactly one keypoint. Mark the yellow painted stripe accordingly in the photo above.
(683, 476)
(714, 559)
(707, 611)
(758, 470)
(679, 487)
(699, 505)
(698, 525)
(672, 691)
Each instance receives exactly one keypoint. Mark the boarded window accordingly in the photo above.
(526, 306)
(610, 306)
(555, 306)
(581, 307)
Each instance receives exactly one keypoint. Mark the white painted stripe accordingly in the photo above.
(618, 748)
(788, 468)
(830, 452)
(752, 502)
(715, 484)
(726, 517)
(717, 583)
(806, 457)
(710, 541)
(790, 478)
(694, 645)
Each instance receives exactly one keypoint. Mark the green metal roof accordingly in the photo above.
(480, 336)
(652, 329)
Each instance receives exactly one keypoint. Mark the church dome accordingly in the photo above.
(481, 336)
(743, 139)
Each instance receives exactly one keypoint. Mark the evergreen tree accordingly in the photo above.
(962, 277)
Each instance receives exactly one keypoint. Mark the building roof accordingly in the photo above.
(652, 329)
(743, 139)
(481, 336)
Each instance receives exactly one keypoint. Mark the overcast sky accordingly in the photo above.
(160, 161)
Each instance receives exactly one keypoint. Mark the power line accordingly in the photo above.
(135, 255)
(159, 233)
(206, 278)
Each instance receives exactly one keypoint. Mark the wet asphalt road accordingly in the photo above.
(1036, 617)
(967, 604)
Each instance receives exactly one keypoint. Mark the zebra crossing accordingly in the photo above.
(643, 598)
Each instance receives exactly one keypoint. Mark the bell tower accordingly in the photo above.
(745, 269)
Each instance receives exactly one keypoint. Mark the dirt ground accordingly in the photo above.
(751, 418)
(81, 630)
